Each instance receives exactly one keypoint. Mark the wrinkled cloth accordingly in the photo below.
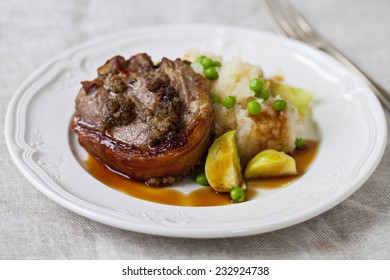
(34, 227)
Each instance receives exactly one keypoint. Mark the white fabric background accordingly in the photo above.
(33, 227)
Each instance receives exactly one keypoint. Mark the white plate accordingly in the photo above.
(350, 118)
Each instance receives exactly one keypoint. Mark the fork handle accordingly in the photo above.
(379, 91)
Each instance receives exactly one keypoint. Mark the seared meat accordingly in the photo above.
(152, 123)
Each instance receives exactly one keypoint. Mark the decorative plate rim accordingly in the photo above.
(162, 219)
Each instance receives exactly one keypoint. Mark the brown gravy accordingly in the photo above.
(201, 197)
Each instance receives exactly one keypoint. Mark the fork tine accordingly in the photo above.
(289, 20)
(274, 10)
(290, 17)
(299, 19)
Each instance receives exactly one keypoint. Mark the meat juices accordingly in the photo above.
(150, 122)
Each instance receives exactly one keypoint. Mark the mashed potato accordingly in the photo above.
(268, 130)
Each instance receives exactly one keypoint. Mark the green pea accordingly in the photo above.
(264, 94)
(228, 102)
(299, 143)
(237, 194)
(211, 73)
(199, 59)
(206, 62)
(256, 85)
(215, 98)
(201, 179)
(217, 63)
(254, 108)
(280, 105)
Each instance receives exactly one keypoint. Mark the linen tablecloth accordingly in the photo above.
(34, 227)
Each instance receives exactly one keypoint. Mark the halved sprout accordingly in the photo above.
(270, 163)
(223, 168)
(300, 98)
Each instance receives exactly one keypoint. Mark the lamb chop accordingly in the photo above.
(150, 122)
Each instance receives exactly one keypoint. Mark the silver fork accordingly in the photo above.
(288, 21)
